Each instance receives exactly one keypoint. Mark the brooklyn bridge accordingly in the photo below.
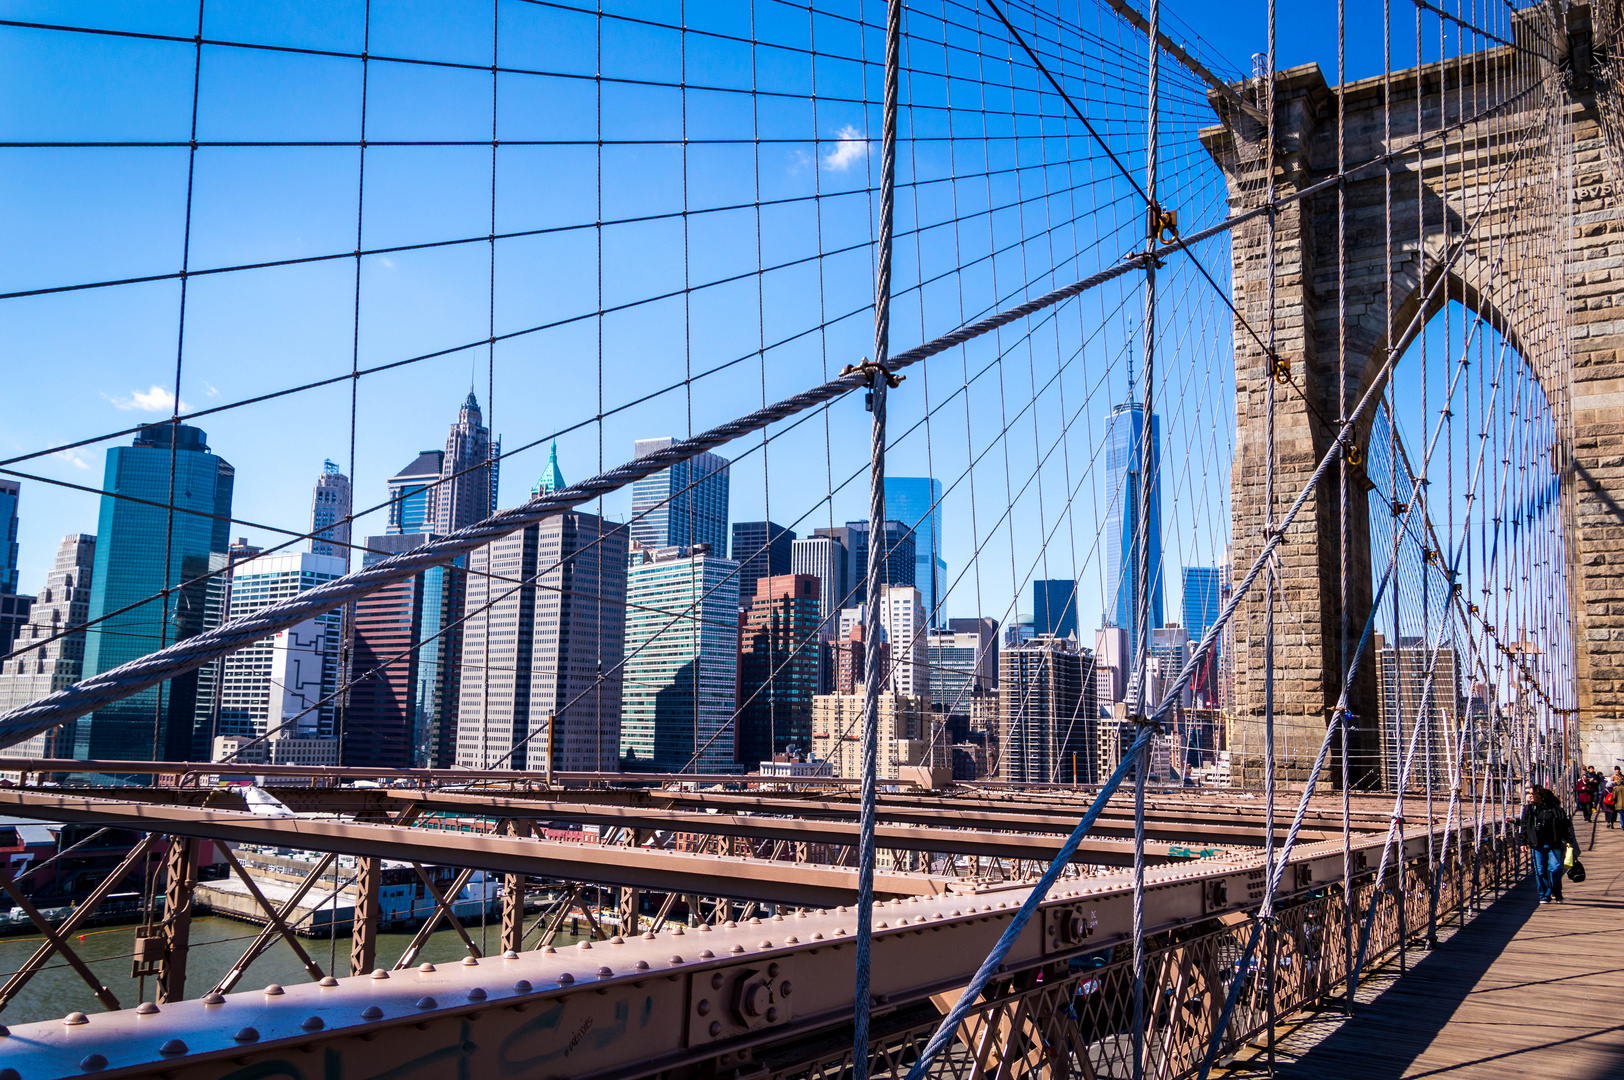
(1167, 708)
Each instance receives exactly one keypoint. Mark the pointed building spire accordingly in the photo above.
(552, 478)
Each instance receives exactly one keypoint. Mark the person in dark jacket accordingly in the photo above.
(1548, 831)
(1582, 791)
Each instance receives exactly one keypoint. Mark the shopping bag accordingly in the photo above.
(1569, 859)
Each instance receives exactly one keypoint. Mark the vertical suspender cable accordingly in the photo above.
(1341, 717)
(1271, 582)
(1147, 462)
(872, 673)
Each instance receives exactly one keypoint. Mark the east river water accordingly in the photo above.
(215, 946)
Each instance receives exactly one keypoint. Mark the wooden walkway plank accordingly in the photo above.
(1522, 990)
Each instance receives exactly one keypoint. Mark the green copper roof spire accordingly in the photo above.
(551, 478)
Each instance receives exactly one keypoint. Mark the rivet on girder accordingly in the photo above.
(676, 931)
(641, 965)
(372, 1012)
(470, 961)
(585, 945)
(172, 1047)
(212, 998)
(425, 967)
(312, 1023)
(327, 980)
(511, 955)
(674, 959)
(477, 994)
(274, 990)
(74, 1019)
(737, 949)
(617, 940)
(566, 979)
(146, 1008)
(379, 973)
(246, 1034)
(523, 985)
(427, 1003)
(706, 954)
(92, 1062)
(605, 972)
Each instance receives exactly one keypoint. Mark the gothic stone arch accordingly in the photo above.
(1567, 330)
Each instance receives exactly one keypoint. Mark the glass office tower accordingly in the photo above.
(1133, 540)
(1054, 607)
(130, 571)
(916, 501)
(683, 506)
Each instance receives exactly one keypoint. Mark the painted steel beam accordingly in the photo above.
(773, 882)
(618, 1010)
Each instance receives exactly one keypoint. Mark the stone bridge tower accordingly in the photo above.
(1522, 206)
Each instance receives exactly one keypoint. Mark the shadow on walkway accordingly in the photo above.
(1521, 990)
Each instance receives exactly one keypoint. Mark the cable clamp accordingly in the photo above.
(870, 371)
(1399, 508)
(1280, 368)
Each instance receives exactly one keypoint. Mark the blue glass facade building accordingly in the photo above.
(10, 493)
(1201, 585)
(916, 501)
(1133, 533)
(1054, 607)
(685, 505)
(130, 571)
(410, 503)
(901, 557)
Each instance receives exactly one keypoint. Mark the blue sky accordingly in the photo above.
(1044, 199)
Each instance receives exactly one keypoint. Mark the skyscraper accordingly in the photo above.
(282, 684)
(900, 561)
(762, 549)
(916, 501)
(685, 505)
(469, 472)
(549, 645)
(10, 495)
(902, 615)
(14, 608)
(411, 493)
(330, 509)
(1054, 607)
(402, 701)
(778, 668)
(1047, 713)
(61, 605)
(682, 667)
(822, 557)
(131, 572)
(1200, 590)
(1133, 540)
(1401, 683)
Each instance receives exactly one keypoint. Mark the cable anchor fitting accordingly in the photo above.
(1280, 368)
(1163, 227)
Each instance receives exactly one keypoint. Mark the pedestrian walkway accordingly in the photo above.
(1522, 990)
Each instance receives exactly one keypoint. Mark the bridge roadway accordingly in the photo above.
(619, 1009)
(1521, 990)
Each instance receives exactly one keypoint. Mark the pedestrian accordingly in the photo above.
(1581, 792)
(1613, 793)
(1548, 832)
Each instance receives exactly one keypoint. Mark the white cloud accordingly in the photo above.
(799, 161)
(386, 262)
(73, 458)
(155, 399)
(850, 148)
(209, 390)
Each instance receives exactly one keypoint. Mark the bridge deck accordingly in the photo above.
(1522, 990)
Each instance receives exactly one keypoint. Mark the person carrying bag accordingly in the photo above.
(1548, 832)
